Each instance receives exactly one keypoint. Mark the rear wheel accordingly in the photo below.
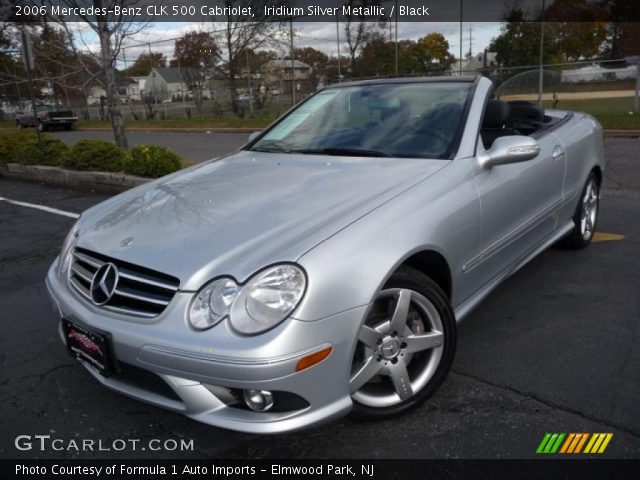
(42, 127)
(405, 346)
(19, 126)
(585, 217)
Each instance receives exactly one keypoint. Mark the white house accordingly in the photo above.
(595, 73)
(164, 83)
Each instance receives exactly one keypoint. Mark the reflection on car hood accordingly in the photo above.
(237, 215)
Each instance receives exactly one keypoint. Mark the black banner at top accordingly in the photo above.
(322, 10)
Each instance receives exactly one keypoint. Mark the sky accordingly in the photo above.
(319, 35)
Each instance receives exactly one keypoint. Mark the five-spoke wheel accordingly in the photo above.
(404, 347)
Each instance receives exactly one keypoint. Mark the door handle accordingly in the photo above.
(558, 152)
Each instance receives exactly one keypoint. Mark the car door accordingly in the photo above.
(520, 204)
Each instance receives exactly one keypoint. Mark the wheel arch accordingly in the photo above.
(434, 265)
(597, 171)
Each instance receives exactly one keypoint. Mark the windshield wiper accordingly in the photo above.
(346, 152)
(272, 146)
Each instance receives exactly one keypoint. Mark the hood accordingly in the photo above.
(237, 215)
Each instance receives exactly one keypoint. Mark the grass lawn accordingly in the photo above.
(612, 113)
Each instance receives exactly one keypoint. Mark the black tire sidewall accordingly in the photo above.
(575, 240)
(412, 279)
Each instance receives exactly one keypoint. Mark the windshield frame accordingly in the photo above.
(455, 145)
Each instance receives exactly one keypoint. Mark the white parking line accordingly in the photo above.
(41, 207)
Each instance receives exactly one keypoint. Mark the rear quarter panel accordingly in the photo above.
(584, 146)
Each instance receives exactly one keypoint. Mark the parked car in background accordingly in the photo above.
(45, 117)
(323, 268)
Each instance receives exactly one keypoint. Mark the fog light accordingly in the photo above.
(258, 400)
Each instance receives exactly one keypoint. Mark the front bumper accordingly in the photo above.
(187, 360)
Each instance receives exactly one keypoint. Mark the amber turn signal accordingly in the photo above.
(311, 360)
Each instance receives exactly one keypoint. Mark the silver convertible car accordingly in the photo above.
(322, 268)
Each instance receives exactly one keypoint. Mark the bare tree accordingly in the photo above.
(360, 30)
(237, 37)
(112, 30)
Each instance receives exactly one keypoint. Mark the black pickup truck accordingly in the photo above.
(45, 117)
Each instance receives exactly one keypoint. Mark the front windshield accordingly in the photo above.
(416, 120)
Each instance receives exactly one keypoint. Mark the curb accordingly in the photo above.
(106, 182)
(622, 133)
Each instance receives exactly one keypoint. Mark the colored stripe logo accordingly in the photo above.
(573, 443)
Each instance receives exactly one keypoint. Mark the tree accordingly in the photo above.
(519, 42)
(360, 30)
(316, 59)
(145, 63)
(195, 54)
(429, 54)
(111, 30)
(623, 34)
(583, 37)
(238, 36)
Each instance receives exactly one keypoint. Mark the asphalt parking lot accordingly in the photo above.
(554, 349)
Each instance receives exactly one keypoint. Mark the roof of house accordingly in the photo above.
(171, 74)
(285, 63)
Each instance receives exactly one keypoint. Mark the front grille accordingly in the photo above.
(139, 291)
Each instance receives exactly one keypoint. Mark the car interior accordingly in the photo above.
(517, 117)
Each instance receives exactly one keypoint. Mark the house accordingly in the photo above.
(166, 83)
(281, 70)
(596, 73)
(476, 63)
(128, 89)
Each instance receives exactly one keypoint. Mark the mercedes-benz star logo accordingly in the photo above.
(104, 283)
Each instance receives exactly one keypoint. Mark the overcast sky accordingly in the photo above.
(319, 35)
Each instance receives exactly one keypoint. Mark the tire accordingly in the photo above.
(585, 217)
(405, 346)
(68, 127)
(19, 126)
(42, 127)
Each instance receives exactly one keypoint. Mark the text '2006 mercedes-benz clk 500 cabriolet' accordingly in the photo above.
(322, 268)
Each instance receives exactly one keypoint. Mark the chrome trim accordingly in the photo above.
(512, 236)
(155, 283)
(142, 298)
(82, 272)
(91, 261)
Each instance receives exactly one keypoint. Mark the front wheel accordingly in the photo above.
(585, 217)
(405, 346)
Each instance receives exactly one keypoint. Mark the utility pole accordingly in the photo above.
(29, 65)
(338, 44)
(460, 58)
(635, 98)
(396, 14)
(246, 51)
(293, 73)
(541, 70)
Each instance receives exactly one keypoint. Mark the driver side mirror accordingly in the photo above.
(509, 149)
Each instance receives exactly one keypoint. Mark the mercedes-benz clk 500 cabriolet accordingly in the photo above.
(322, 268)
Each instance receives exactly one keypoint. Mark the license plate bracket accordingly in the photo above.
(90, 346)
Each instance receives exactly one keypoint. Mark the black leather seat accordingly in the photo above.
(495, 118)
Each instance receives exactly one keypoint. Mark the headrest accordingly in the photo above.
(495, 114)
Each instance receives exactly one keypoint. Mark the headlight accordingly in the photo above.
(269, 298)
(212, 303)
(67, 248)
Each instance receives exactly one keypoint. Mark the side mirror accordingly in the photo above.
(253, 136)
(509, 149)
